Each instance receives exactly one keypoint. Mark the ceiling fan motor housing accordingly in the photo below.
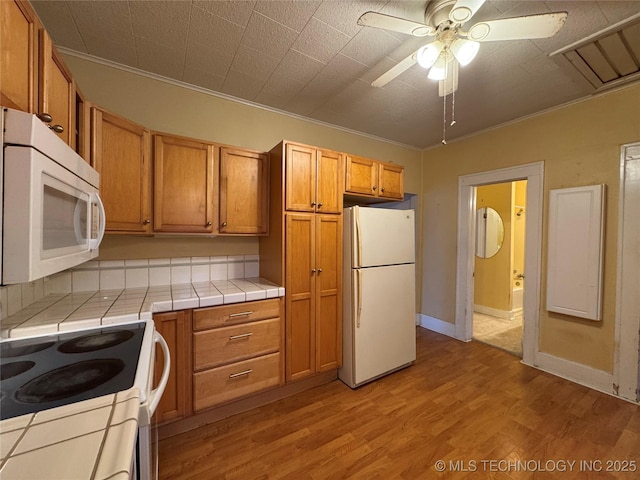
(437, 12)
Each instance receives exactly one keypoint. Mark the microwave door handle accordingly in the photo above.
(156, 394)
(95, 243)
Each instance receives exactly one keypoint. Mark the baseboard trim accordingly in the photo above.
(437, 325)
(576, 372)
(494, 312)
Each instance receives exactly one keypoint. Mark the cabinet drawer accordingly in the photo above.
(212, 348)
(204, 318)
(222, 384)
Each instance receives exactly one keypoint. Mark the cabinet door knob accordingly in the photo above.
(382, 189)
(313, 204)
(313, 270)
(208, 224)
(45, 117)
(319, 271)
(319, 205)
(146, 221)
(223, 224)
(375, 187)
(57, 128)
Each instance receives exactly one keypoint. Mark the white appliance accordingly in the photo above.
(379, 328)
(53, 218)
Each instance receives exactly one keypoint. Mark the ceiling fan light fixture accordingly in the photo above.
(439, 69)
(428, 54)
(464, 50)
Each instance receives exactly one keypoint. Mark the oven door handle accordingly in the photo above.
(156, 394)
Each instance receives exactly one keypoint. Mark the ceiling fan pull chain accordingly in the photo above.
(453, 108)
(444, 120)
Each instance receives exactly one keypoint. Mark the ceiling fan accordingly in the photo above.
(453, 46)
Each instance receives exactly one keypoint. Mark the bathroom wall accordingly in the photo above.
(492, 286)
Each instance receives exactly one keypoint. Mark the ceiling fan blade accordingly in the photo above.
(393, 72)
(518, 28)
(463, 10)
(402, 25)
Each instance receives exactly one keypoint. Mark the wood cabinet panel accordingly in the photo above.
(121, 153)
(244, 191)
(300, 295)
(56, 90)
(361, 176)
(328, 317)
(184, 186)
(391, 181)
(224, 315)
(220, 346)
(218, 385)
(19, 27)
(175, 328)
(300, 172)
(330, 181)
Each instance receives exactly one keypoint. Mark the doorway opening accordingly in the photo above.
(499, 278)
(467, 185)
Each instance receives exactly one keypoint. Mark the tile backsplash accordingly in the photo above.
(118, 274)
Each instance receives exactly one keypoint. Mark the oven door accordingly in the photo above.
(146, 457)
(57, 219)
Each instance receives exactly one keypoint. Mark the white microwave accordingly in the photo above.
(53, 218)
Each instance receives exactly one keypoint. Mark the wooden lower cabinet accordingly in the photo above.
(236, 351)
(313, 289)
(175, 328)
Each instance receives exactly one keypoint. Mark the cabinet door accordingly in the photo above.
(300, 295)
(56, 90)
(300, 173)
(328, 292)
(121, 153)
(19, 40)
(391, 181)
(175, 328)
(244, 191)
(361, 176)
(330, 181)
(83, 126)
(183, 186)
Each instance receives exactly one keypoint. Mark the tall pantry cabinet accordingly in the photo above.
(304, 251)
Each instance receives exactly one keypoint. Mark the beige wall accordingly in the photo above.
(579, 145)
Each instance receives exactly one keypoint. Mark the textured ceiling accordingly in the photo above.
(311, 58)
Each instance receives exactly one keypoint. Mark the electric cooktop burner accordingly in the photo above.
(46, 372)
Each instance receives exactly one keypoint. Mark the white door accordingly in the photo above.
(382, 236)
(384, 320)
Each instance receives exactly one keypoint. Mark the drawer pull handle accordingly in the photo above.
(240, 374)
(240, 314)
(243, 335)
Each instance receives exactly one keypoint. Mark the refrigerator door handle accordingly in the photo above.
(359, 299)
(358, 239)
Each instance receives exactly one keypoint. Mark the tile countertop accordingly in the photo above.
(90, 439)
(95, 438)
(82, 310)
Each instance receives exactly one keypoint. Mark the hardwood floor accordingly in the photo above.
(473, 406)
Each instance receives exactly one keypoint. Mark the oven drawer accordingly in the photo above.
(204, 318)
(221, 384)
(212, 348)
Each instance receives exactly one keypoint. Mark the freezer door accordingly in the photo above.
(383, 321)
(382, 236)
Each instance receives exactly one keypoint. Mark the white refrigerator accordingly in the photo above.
(379, 327)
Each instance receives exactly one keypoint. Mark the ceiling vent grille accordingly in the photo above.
(606, 59)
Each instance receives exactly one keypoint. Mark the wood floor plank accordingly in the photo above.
(468, 404)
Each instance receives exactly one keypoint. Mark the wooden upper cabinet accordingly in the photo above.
(185, 188)
(244, 191)
(391, 181)
(313, 179)
(19, 28)
(121, 153)
(56, 91)
(370, 178)
(83, 126)
(330, 181)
